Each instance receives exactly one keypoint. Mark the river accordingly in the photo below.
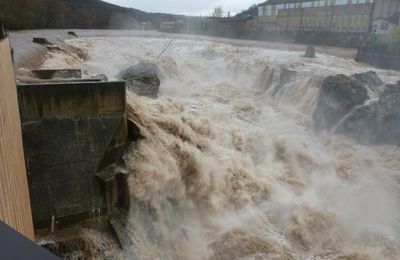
(230, 167)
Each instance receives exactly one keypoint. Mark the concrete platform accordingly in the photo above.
(70, 132)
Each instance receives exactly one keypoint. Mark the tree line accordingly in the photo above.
(85, 14)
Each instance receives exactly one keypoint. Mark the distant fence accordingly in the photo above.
(15, 208)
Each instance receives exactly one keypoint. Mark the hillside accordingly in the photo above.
(85, 14)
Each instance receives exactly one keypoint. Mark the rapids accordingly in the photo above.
(230, 167)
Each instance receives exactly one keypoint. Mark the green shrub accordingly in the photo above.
(394, 43)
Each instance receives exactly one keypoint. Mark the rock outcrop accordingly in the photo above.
(142, 79)
(310, 52)
(272, 78)
(388, 115)
(101, 77)
(360, 124)
(370, 78)
(344, 107)
(339, 95)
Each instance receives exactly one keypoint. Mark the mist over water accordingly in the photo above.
(230, 167)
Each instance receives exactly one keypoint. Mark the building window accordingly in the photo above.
(291, 6)
(321, 3)
(307, 4)
(341, 2)
(274, 10)
(385, 26)
(260, 11)
(269, 10)
(363, 1)
(280, 7)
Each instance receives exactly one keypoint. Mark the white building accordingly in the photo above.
(384, 26)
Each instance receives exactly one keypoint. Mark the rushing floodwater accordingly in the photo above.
(230, 167)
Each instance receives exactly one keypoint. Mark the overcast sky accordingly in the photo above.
(188, 7)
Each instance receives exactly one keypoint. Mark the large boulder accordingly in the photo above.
(101, 77)
(361, 124)
(142, 79)
(388, 115)
(344, 107)
(339, 95)
(272, 78)
(370, 78)
(310, 52)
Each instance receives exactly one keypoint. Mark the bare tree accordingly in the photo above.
(218, 12)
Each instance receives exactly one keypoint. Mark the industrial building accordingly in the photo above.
(344, 16)
(312, 15)
(385, 8)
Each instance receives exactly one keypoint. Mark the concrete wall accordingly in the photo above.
(389, 62)
(70, 132)
(15, 209)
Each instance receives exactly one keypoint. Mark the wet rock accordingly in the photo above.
(42, 41)
(370, 78)
(273, 78)
(142, 79)
(310, 52)
(286, 75)
(388, 115)
(339, 95)
(361, 124)
(344, 107)
(72, 33)
(101, 77)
